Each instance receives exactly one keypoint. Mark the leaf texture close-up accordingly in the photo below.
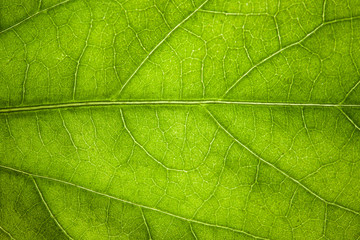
(180, 119)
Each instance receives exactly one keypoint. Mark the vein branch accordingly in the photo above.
(280, 170)
(143, 148)
(349, 119)
(145, 222)
(34, 15)
(158, 45)
(285, 48)
(134, 203)
(48, 208)
(7, 233)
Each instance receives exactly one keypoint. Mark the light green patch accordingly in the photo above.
(179, 119)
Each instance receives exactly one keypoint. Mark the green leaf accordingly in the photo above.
(179, 119)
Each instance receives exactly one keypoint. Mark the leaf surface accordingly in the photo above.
(207, 119)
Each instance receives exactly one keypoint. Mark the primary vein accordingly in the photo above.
(170, 102)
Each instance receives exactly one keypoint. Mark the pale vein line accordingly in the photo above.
(39, 6)
(81, 56)
(353, 62)
(143, 148)
(158, 45)
(287, 47)
(48, 208)
(325, 220)
(145, 222)
(235, 13)
(171, 102)
(323, 11)
(350, 91)
(278, 169)
(7, 233)
(192, 231)
(349, 118)
(31, 16)
(133, 203)
(67, 130)
(24, 82)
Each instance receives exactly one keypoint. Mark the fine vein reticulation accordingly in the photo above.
(209, 119)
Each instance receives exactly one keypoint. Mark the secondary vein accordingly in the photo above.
(133, 203)
(280, 170)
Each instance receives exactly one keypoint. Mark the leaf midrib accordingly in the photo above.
(171, 103)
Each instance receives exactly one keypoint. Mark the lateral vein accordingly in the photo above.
(7, 233)
(34, 15)
(134, 204)
(280, 170)
(48, 208)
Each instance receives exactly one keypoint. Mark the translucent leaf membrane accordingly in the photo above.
(179, 119)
